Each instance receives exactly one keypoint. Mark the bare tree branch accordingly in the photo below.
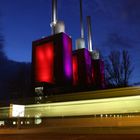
(118, 69)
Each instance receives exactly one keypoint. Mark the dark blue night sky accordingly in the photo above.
(115, 25)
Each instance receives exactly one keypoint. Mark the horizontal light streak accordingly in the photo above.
(130, 104)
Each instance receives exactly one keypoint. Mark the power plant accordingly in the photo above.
(57, 69)
(67, 100)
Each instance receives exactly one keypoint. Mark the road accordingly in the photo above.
(71, 134)
(84, 128)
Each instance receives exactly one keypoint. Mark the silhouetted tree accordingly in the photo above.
(118, 69)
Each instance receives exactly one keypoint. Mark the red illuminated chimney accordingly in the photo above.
(52, 57)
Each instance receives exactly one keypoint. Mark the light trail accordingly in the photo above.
(118, 105)
(103, 102)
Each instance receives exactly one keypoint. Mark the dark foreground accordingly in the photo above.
(71, 137)
(116, 133)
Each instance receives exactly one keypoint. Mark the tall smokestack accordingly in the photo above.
(54, 11)
(54, 16)
(95, 53)
(89, 34)
(80, 42)
(81, 20)
(57, 26)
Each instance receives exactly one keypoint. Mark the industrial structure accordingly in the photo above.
(58, 69)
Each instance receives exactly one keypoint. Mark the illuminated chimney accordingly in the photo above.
(97, 63)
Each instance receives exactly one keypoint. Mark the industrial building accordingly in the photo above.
(57, 69)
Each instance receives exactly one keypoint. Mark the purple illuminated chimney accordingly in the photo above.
(97, 63)
(81, 59)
